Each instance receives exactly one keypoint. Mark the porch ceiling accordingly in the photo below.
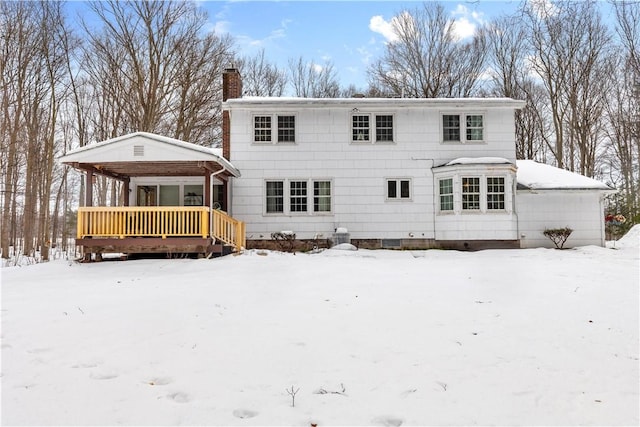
(124, 170)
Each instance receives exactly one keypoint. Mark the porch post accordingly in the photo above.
(207, 188)
(125, 191)
(224, 202)
(88, 200)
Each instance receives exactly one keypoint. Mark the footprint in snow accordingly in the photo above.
(387, 421)
(84, 365)
(179, 397)
(103, 375)
(159, 381)
(244, 413)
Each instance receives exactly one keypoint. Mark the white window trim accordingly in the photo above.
(398, 198)
(274, 128)
(479, 193)
(372, 129)
(463, 127)
(457, 194)
(286, 203)
(453, 196)
(264, 197)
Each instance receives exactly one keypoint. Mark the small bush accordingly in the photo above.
(558, 235)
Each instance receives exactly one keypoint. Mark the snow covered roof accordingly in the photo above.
(279, 102)
(478, 161)
(538, 176)
(148, 154)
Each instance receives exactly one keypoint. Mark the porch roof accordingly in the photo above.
(148, 154)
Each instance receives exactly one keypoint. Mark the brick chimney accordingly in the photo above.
(231, 88)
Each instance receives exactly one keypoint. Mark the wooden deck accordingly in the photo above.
(158, 229)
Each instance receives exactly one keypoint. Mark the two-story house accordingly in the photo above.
(397, 173)
(384, 173)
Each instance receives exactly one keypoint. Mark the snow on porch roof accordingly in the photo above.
(129, 149)
(538, 176)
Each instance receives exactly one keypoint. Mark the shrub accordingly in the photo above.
(558, 235)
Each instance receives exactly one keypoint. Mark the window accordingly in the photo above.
(446, 194)
(384, 128)
(455, 126)
(322, 196)
(286, 129)
(360, 129)
(470, 193)
(275, 196)
(474, 128)
(495, 193)
(298, 196)
(193, 195)
(398, 189)
(262, 129)
(450, 127)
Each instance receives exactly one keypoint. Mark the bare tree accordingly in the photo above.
(33, 83)
(311, 80)
(623, 107)
(260, 77)
(569, 44)
(508, 63)
(428, 60)
(154, 71)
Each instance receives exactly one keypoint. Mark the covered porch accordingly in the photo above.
(192, 221)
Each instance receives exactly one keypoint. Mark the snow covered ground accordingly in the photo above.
(508, 337)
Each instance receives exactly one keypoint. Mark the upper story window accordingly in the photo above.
(462, 128)
(361, 128)
(286, 128)
(384, 128)
(263, 128)
(398, 189)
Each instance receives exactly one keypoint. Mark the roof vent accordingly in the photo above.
(138, 151)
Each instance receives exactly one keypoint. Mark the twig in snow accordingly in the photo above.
(323, 391)
(443, 385)
(80, 310)
(292, 393)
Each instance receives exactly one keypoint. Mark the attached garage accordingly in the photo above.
(548, 197)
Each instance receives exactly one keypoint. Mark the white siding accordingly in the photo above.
(358, 172)
(581, 211)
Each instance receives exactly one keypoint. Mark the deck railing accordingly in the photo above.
(143, 221)
(159, 221)
(228, 229)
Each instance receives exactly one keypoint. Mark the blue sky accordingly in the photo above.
(350, 34)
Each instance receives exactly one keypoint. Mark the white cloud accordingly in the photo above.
(377, 24)
(463, 28)
(465, 22)
(221, 27)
